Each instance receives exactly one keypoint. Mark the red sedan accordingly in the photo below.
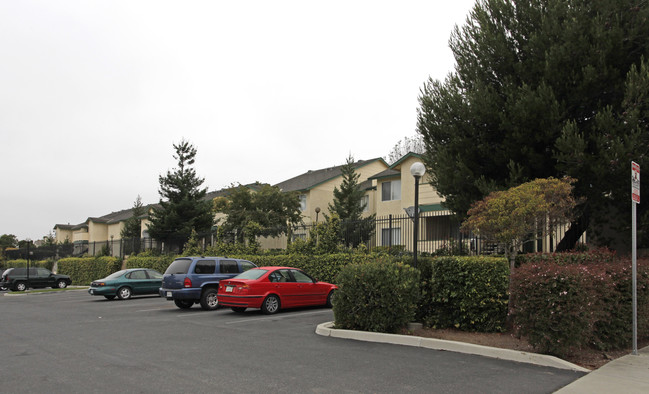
(272, 288)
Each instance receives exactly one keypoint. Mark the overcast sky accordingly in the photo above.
(93, 94)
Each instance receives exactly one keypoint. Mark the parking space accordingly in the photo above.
(73, 342)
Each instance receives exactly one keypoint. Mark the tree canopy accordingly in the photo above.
(542, 88)
(522, 213)
(265, 212)
(182, 201)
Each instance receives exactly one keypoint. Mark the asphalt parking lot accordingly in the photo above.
(73, 342)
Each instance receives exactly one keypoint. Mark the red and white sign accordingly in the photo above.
(635, 182)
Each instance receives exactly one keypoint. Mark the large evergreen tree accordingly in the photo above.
(348, 205)
(542, 88)
(182, 203)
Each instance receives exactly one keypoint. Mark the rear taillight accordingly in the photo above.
(187, 282)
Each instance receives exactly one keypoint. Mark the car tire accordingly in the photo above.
(270, 305)
(209, 300)
(330, 298)
(124, 293)
(239, 309)
(61, 284)
(109, 297)
(20, 286)
(184, 304)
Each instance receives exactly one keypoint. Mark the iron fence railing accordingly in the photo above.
(439, 233)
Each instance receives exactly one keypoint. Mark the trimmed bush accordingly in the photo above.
(23, 263)
(562, 307)
(158, 263)
(83, 270)
(467, 293)
(376, 296)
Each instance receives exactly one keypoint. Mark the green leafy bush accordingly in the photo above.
(561, 307)
(83, 270)
(468, 293)
(158, 263)
(49, 263)
(377, 296)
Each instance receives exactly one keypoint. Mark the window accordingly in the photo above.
(137, 275)
(390, 237)
(246, 265)
(365, 203)
(229, 267)
(154, 274)
(205, 267)
(301, 277)
(302, 198)
(280, 276)
(391, 190)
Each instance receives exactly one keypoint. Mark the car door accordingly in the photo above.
(40, 277)
(307, 292)
(154, 281)
(283, 284)
(138, 281)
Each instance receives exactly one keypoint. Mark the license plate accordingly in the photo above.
(229, 289)
(168, 294)
(92, 292)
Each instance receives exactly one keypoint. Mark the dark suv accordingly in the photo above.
(17, 279)
(192, 280)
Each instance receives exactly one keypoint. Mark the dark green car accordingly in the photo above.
(126, 283)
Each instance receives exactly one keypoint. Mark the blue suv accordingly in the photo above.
(193, 280)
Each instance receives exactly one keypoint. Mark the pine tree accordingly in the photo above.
(133, 225)
(544, 88)
(183, 207)
(348, 206)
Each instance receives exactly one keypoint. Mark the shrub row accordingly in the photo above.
(561, 307)
(158, 263)
(468, 293)
(49, 264)
(377, 296)
(83, 270)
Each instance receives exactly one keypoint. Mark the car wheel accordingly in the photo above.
(270, 305)
(20, 286)
(184, 304)
(61, 284)
(209, 300)
(109, 297)
(239, 309)
(330, 299)
(124, 293)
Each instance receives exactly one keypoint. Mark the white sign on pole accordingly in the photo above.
(635, 182)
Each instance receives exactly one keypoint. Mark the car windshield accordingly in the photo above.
(179, 266)
(115, 274)
(251, 274)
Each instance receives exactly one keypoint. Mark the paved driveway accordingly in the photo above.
(72, 342)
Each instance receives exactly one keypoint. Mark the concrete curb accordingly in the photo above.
(327, 330)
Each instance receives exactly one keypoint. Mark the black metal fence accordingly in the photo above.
(439, 233)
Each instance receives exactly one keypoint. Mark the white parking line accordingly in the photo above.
(276, 317)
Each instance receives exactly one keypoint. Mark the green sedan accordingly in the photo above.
(126, 283)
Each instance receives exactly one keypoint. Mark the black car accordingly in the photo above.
(17, 279)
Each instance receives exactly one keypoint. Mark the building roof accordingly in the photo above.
(313, 178)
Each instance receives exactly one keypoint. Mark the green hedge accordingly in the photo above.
(158, 263)
(23, 263)
(561, 307)
(468, 293)
(83, 270)
(376, 296)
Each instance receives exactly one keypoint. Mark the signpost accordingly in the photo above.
(635, 199)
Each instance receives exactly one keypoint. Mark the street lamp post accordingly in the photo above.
(417, 170)
(28, 242)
